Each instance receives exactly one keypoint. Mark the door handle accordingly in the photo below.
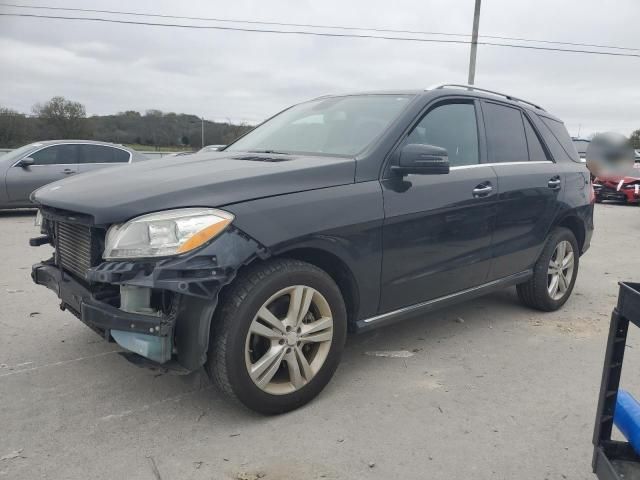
(68, 171)
(554, 183)
(482, 190)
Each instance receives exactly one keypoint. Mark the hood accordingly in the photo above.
(210, 179)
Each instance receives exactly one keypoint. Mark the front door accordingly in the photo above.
(529, 185)
(50, 164)
(437, 229)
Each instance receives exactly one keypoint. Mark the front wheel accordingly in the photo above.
(554, 274)
(278, 335)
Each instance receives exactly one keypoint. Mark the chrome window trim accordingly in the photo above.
(495, 164)
(77, 163)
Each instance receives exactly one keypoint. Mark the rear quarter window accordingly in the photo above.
(557, 139)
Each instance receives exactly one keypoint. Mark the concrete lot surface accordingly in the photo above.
(491, 391)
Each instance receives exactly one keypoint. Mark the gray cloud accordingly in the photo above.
(244, 76)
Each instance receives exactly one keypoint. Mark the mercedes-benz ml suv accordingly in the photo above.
(346, 212)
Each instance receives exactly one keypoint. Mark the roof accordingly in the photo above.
(455, 88)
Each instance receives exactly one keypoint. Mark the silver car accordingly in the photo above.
(211, 148)
(29, 167)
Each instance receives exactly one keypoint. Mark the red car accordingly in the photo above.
(622, 189)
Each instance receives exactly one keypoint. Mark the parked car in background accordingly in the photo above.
(344, 212)
(30, 167)
(620, 188)
(180, 154)
(581, 145)
(211, 148)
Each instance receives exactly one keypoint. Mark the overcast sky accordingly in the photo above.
(248, 76)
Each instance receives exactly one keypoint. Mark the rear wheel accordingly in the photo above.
(554, 274)
(278, 336)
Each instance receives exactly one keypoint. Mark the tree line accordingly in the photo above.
(59, 118)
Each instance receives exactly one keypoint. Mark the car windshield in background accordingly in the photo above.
(342, 126)
(16, 154)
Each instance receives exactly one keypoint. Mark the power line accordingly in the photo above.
(317, 34)
(307, 25)
(237, 29)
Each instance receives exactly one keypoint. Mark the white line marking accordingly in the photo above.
(55, 364)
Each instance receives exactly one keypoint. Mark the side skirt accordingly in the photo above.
(394, 316)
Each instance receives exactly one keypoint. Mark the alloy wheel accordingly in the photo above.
(289, 340)
(560, 272)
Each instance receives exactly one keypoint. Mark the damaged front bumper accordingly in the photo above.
(147, 335)
(177, 329)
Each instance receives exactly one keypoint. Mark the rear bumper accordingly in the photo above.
(98, 315)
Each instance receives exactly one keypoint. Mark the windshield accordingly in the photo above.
(16, 154)
(342, 126)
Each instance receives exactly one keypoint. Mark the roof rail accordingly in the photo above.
(484, 90)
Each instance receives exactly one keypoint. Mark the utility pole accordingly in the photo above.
(202, 123)
(474, 44)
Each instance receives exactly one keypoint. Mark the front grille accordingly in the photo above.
(74, 248)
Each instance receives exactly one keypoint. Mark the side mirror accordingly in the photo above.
(26, 162)
(423, 160)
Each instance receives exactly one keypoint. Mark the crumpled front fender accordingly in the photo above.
(199, 274)
(197, 277)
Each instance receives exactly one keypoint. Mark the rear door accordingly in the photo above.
(95, 157)
(437, 228)
(529, 183)
(50, 164)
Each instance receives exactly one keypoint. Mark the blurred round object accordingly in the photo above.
(609, 153)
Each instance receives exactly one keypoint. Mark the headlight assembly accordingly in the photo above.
(165, 233)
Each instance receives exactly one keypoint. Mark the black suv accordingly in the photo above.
(342, 213)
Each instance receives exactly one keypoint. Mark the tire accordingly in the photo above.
(237, 355)
(538, 291)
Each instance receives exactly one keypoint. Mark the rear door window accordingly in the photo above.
(506, 139)
(102, 154)
(452, 126)
(56, 155)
